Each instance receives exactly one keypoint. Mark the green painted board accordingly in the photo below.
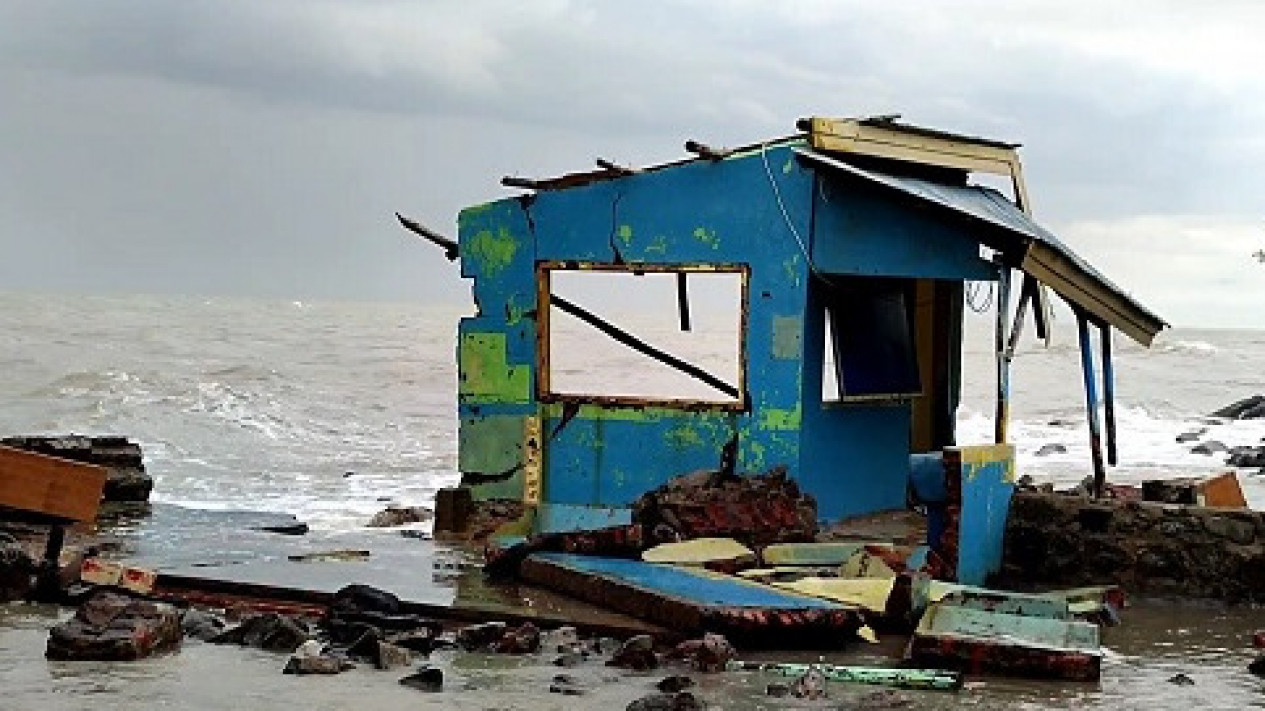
(823, 554)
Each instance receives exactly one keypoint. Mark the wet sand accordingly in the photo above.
(1210, 644)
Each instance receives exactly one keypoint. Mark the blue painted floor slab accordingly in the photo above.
(692, 585)
(692, 601)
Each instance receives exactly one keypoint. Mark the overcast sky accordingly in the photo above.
(260, 147)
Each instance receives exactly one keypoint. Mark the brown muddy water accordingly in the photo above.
(1210, 644)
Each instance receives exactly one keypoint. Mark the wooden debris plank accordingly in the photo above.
(41, 484)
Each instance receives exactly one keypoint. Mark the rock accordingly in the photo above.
(1240, 532)
(111, 626)
(709, 654)
(422, 641)
(369, 605)
(523, 640)
(778, 690)
(399, 516)
(1181, 679)
(883, 699)
(17, 570)
(1051, 448)
(568, 659)
(127, 484)
(341, 554)
(1192, 436)
(391, 656)
(680, 701)
(1247, 457)
(270, 631)
(566, 685)
(426, 678)
(1257, 666)
(312, 657)
(1212, 446)
(1246, 408)
(605, 646)
(812, 685)
(293, 528)
(371, 649)
(364, 598)
(562, 639)
(345, 632)
(675, 683)
(200, 624)
(636, 653)
(481, 636)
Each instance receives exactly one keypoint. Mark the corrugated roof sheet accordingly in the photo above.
(991, 209)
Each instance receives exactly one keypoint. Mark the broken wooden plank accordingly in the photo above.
(55, 487)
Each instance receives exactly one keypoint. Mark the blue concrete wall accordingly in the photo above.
(759, 208)
(854, 457)
(988, 482)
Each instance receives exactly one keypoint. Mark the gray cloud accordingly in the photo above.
(260, 147)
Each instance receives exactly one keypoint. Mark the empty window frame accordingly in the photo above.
(643, 334)
(869, 343)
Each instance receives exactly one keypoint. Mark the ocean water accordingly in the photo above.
(331, 410)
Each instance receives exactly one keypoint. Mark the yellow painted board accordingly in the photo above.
(698, 551)
(869, 593)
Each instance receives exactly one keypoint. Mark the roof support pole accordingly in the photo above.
(1002, 418)
(1109, 395)
(1091, 401)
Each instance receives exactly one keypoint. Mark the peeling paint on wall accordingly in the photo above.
(494, 251)
(787, 337)
(773, 418)
(707, 237)
(485, 374)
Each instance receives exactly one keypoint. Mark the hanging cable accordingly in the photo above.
(786, 216)
(973, 302)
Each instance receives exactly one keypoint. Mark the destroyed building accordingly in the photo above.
(845, 250)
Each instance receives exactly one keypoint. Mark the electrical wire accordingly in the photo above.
(786, 216)
(973, 299)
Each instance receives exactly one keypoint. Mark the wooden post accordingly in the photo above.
(683, 300)
(1091, 402)
(1109, 395)
(1002, 421)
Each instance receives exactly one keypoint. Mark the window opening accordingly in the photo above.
(633, 334)
(869, 344)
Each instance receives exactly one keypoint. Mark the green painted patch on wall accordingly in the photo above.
(485, 376)
(707, 237)
(625, 234)
(492, 445)
(494, 252)
(791, 265)
(787, 336)
(683, 436)
(773, 418)
(648, 413)
(514, 311)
